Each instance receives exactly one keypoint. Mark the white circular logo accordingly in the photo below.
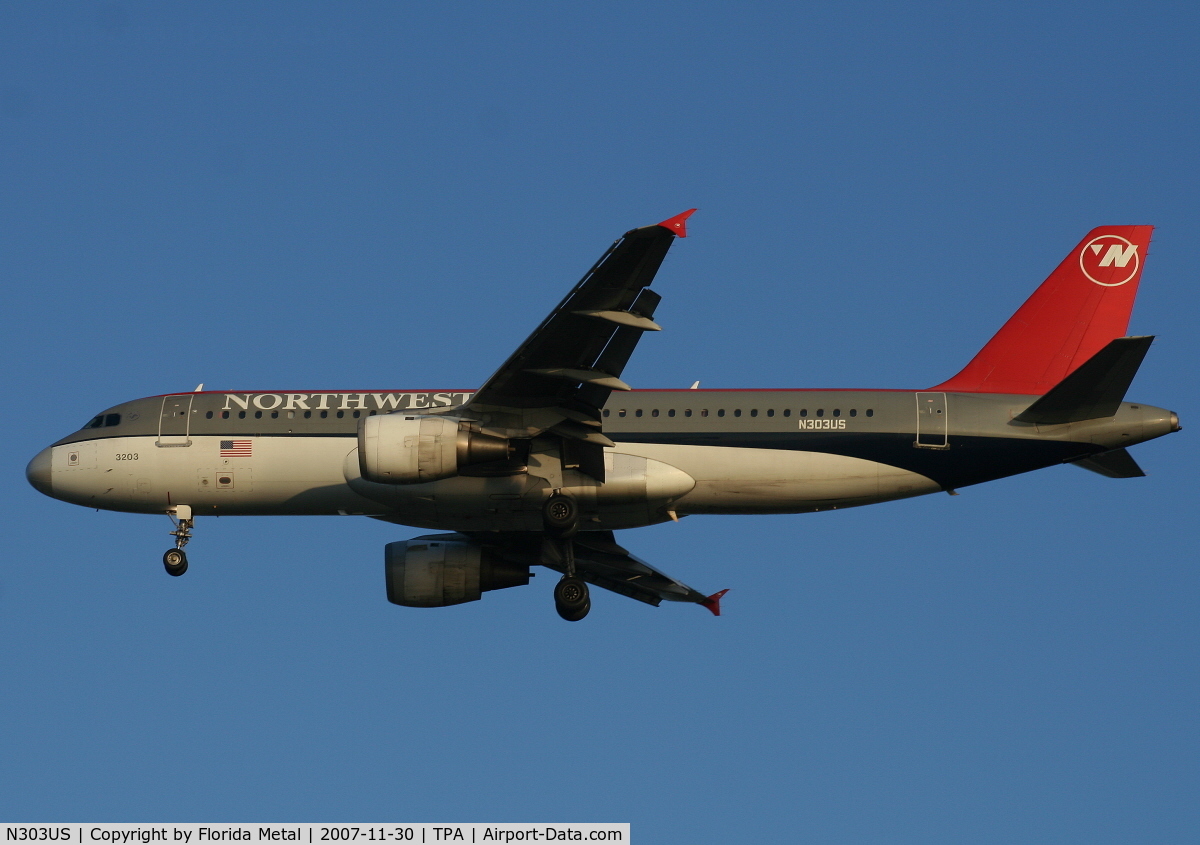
(1109, 260)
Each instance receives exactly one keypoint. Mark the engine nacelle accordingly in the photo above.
(411, 449)
(440, 570)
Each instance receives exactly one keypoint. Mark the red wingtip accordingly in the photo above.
(713, 602)
(678, 223)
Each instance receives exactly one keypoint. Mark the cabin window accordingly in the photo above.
(654, 413)
(704, 412)
(621, 412)
(357, 414)
(372, 413)
(820, 412)
(854, 412)
(721, 412)
(837, 412)
(770, 412)
(241, 415)
(307, 414)
(671, 412)
(787, 412)
(208, 415)
(638, 412)
(224, 415)
(606, 412)
(291, 415)
(274, 415)
(870, 412)
(687, 412)
(738, 412)
(804, 412)
(341, 414)
(324, 414)
(258, 415)
(754, 412)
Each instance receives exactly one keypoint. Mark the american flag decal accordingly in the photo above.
(235, 448)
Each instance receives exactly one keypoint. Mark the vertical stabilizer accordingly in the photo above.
(1079, 309)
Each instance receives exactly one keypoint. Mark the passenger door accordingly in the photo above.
(175, 420)
(933, 422)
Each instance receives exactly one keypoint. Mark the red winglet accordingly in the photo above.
(713, 602)
(678, 223)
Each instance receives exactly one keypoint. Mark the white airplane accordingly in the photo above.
(554, 453)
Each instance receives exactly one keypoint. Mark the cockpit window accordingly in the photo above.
(103, 421)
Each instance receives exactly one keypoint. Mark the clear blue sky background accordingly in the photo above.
(378, 195)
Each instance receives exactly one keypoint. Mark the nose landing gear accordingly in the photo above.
(175, 560)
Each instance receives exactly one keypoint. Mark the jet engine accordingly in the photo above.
(444, 569)
(410, 449)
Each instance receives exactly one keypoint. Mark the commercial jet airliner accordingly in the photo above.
(554, 453)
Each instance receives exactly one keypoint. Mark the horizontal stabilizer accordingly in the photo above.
(1096, 389)
(1117, 463)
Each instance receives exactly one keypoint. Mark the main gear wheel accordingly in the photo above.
(571, 598)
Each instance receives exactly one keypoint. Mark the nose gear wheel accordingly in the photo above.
(175, 562)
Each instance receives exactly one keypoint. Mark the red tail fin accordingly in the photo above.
(1083, 305)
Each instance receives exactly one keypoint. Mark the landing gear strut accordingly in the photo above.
(175, 560)
(560, 516)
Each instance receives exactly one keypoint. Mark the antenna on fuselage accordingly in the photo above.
(694, 386)
(199, 388)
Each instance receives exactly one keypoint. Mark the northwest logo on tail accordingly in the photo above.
(1109, 260)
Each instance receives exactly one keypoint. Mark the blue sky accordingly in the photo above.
(373, 195)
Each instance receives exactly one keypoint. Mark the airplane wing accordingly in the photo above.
(599, 560)
(563, 373)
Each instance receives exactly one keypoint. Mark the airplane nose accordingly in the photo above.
(1175, 426)
(38, 472)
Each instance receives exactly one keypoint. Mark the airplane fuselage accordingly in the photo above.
(677, 452)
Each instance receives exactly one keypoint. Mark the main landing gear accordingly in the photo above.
(560, 517)
(175, 560)
(571, 598)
